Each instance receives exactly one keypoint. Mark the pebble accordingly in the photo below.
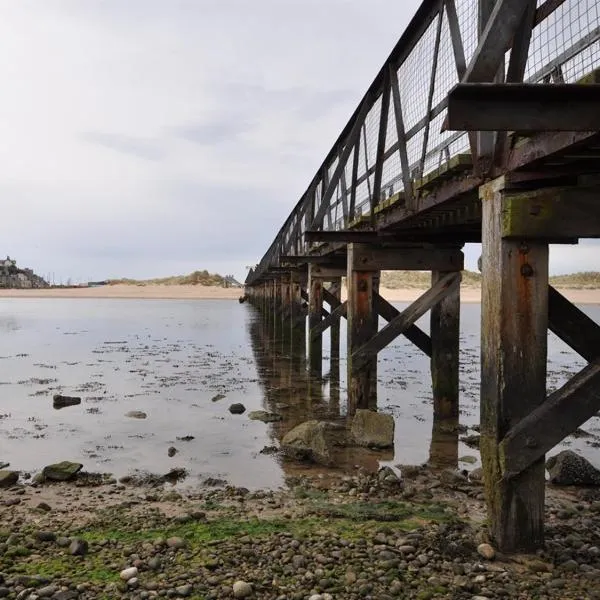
(242, 589)
(78, 547)
(486, 551)
(184, 590)
(127, 574)
(176, 542)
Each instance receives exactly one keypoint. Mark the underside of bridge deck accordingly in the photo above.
(400, 190)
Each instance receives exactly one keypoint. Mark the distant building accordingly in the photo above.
(13, 277)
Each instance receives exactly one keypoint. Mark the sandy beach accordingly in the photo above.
(199, 292)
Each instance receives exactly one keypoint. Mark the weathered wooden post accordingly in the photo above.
(513, 368)
(362, 326)
(315, 311)
(298, 316)
(335, 290)
(445, 333)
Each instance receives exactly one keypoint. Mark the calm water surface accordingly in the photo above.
(170, 358)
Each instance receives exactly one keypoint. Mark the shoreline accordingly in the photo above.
(468, 295)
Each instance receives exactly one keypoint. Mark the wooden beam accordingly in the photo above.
(445, 335)
(335, 290)
(315, 310)
(398, 325)
(334, 317)
(326, 273)
(414, 334)
(564, 410)
(523, 107)
(573, 326)
(362, 325)
(552, 213)
(368, 258)
(513, 371)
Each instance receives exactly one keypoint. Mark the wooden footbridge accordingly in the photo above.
(483, 125)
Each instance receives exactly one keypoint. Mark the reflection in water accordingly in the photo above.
(290, 390)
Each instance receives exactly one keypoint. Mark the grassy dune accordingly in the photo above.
(195, 278)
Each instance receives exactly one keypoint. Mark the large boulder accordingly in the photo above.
(568, 468)
(8, 478)
(62, 471)
(372, 430)
(308, 441)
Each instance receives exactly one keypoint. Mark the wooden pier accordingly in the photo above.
(476, 129)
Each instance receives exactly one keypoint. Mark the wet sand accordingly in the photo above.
(199, 292)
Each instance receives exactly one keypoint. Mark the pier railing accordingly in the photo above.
(398, 134)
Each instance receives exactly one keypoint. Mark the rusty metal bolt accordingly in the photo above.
(527, 270)
(362, 286)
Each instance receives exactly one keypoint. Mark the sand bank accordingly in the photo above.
(199, 292)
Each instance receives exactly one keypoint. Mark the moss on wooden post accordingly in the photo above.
(513, 370)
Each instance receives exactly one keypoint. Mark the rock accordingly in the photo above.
(183, 590)
(476, 475)
(486, 551)
(175, 542)
(237, 408)
(371, 429)
(44, 507)
(47, 591)
(241, 589)
(185, 438)
(388, 475)
(59, 401)
(568, 468)
(217, 397)
(452, 477)
(127, 574)
(8, 478)
(136, 414)
(45, 536)
(308, 441)
(172, 451)
(3, 464)
(471, 460)
(264, 416)
(62, 471)
(78, 547)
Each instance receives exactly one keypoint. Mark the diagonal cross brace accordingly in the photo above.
(562, 412)
(398, 325)
(336, 314)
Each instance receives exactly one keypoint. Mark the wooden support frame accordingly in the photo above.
(315, 311)
(573, 326)
(405, 319)
(552, 213)
(564, 410)
(513, 370)
(369, 258)
(335, 291)
(334, 317)
(362, 325)
(524, 107)
(414, 334)
(445, 344)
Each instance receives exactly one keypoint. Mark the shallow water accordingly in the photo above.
(170, 358)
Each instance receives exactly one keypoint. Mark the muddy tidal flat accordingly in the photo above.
(157, 379)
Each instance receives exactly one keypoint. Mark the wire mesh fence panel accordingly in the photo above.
(564, 48)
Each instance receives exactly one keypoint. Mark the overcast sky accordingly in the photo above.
(146, 138)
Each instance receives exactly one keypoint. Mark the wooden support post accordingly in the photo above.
(513, 370)
(445, 331)
(298, 320)
(362, 326)
(315, 311)
(334, 335)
